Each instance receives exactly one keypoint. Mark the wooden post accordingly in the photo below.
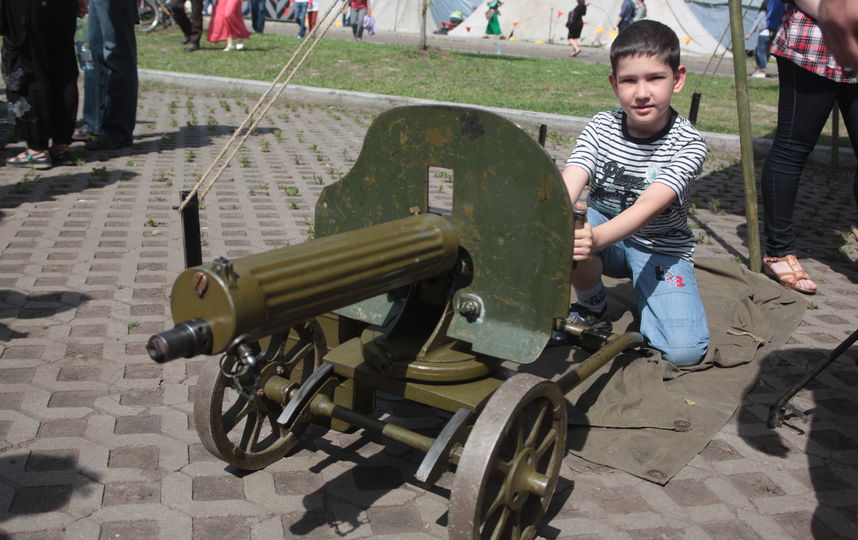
(423, 45)
(743, 107)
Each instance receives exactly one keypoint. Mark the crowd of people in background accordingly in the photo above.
(41, 70)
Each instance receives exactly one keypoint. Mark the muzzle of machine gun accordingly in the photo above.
(185, 340)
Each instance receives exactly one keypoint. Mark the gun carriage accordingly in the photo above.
(437, 307)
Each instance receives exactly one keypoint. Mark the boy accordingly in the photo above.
(640, 161)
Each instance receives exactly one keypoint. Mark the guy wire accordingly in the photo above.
(265, 101)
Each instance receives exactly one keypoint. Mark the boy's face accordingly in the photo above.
(645, 86)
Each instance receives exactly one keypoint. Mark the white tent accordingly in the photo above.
(545, 21)
(401, 16)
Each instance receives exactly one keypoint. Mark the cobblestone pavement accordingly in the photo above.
(99, 442)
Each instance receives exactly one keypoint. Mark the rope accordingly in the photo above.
(265, 102)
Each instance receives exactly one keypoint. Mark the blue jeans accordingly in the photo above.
(761, 53)
(110, 93)
(257, 15)
(301, 18)
(672, 318)
(804, 105)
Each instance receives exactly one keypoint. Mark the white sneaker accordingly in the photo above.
(758, 75)
(239, 46)
(228, 48)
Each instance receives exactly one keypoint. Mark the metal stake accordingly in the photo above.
(695, 107)
(191, 230)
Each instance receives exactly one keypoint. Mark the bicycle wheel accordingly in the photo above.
(149, 15)
(166, 14)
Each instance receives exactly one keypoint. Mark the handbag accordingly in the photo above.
(490, 13)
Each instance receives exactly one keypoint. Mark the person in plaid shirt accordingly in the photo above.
(839, 22)
(811, 83)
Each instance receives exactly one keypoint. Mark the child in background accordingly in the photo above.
(639, 162)
(312, 14)
(227, 25)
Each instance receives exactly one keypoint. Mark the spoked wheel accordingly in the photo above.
(234, 415)
(508, 469)
(150, 15)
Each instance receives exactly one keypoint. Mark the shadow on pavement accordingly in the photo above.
(828, 433)
(40, 482)
(35, 306)
(42, 186)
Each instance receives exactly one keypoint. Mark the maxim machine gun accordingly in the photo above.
(437, 307)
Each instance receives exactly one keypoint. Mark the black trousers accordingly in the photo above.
(804, 105)
(192, 27)
(40, 70)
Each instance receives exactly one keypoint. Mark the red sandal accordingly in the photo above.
(789, 278)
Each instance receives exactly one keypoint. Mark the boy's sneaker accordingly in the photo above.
(581, 315)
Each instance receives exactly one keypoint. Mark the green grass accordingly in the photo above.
(560, 86)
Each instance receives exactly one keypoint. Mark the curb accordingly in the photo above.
(365, 100)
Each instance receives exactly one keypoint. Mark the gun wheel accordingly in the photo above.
(236, 419)
(509, 466)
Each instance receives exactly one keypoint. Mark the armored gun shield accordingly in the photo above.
(511, 214)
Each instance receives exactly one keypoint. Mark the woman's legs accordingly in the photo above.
(62, 70)
(356, 21)
(761, 53)
(804, 103)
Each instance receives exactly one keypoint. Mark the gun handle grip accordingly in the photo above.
(579, 219)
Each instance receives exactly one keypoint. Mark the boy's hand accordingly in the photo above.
(582, 248)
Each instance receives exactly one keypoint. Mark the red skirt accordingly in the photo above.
(227, 22)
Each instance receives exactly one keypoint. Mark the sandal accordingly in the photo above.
(788, 278)
(36, 160)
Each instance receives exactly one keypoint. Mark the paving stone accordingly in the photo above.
(617, 500)
(10, 401)
(132, 493)
(690, 493)
(310, 525)
(233, 527)
(5, 426)
(217, 488)
(79, 373)
(41, 535)
(38, 500)
(137, 424)
(731, 530)
(51, 460)
(144, 398)
(134, 457)
(394, 520)
(143, 371)
(67, 427)
(803, 525)
(73, 398)
(23, 352)
(148, 309)
(131, 530)
(377, 478)
(16, 375)
(197, 452)
(87, 351)
(297, 483)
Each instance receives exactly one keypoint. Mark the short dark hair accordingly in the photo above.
(646, 38)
